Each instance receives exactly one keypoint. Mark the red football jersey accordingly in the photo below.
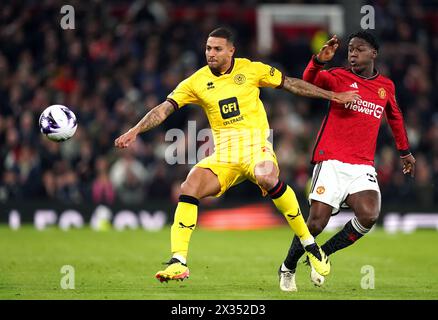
(349, 131)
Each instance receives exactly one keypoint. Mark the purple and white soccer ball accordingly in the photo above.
(58, 123)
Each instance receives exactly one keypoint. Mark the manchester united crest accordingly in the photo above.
(320, 190)
(382, 93)
(239, 78)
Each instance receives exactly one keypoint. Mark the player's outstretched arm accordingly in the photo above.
(306, 89)
(152, 119)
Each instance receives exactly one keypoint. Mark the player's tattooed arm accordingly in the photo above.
(303, 88)
(306, 89)
(152, 119)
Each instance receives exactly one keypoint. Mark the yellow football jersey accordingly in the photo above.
(231, 101)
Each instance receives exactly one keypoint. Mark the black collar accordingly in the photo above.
(218, 74)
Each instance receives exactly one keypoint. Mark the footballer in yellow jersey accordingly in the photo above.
(230, 100)
(236, 115)
(228, 91)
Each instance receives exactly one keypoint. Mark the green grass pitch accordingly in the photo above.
(235, 265)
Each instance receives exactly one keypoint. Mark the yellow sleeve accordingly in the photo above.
(183, 94)
(268, 76)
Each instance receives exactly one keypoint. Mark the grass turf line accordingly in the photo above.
(236, 265)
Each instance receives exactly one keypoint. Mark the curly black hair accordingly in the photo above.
(367, 36)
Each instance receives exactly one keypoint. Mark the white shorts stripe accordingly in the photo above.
(315, 176)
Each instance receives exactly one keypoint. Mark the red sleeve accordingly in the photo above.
(396, 122)
(315, 74)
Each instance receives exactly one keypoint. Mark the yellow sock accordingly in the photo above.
(285, 200)
(184, 223)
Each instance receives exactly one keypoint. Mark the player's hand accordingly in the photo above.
(345, 97)
(126, 139)
(409, 165)
(328, 50)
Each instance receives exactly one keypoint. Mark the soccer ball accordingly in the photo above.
(58, 123)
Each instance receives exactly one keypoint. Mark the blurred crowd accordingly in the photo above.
(123, 58)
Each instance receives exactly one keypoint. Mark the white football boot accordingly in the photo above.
(287, 280)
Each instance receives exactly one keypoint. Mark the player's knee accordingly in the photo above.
(368, 221)
(315, 227)
(368, 217)
(267, 182)
(189, 189)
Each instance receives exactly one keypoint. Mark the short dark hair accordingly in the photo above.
(367, 36)
(223, 33)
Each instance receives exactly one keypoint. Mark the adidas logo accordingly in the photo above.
(354, 85)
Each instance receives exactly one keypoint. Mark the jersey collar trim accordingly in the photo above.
(374, 76)
(218, 74)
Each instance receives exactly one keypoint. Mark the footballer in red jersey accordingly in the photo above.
(344, 173)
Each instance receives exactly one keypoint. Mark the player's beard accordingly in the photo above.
(217, 68)
(214, 69)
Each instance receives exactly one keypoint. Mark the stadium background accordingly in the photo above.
(123, 58)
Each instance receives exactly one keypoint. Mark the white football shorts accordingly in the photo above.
(333, 181)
